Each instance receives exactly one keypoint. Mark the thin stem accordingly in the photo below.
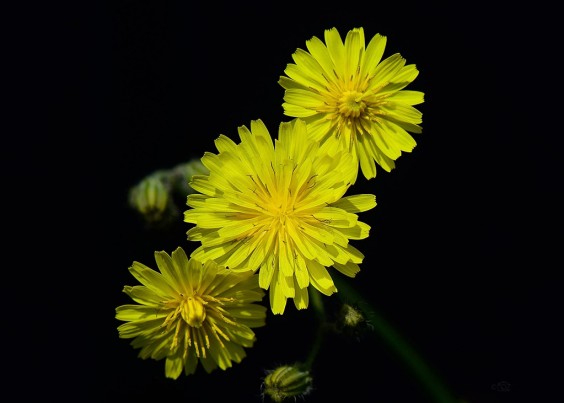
(410, 358)
(317, 304)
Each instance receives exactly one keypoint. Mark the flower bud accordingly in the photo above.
(285, 382)
(150, 198)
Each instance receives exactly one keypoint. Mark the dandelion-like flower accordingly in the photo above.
(347, 93)
(190, 312)
(279, 208)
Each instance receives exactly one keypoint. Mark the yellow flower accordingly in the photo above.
(279, 209)
(346, 93)
(191, 312)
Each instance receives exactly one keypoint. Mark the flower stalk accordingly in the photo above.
(319, 309)
(410, 358)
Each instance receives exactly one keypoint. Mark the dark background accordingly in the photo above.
(463, 254)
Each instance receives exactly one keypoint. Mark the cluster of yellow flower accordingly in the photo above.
(272, 214)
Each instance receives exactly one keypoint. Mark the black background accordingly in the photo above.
(463, 254)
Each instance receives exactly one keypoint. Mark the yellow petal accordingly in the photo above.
(356, 203)
(301, 273)
(349, 269)
(277, 299)
(373, 54)
(173, 367)
(301, 300)
(319, 51)
(408, 97)
(225, 144)
(336, 48)
(336, 217)
(320, 278)
(266, 272)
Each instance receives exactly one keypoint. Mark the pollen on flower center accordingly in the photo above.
(279, 207)
(192, 309)
(281, 213)
(351, 104)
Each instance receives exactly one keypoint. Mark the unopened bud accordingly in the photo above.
(149, 197)
(287, 382)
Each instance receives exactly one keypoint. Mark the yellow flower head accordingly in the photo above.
(191, 312)
(347, 93)
(279, 208)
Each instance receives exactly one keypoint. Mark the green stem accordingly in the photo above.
(317, 304)
(411, 359)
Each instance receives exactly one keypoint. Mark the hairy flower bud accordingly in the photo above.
(150, 198)
(286, 381)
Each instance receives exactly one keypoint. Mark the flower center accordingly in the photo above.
(193, 311)
(351, 104)
(278, 216)
(282, 215)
